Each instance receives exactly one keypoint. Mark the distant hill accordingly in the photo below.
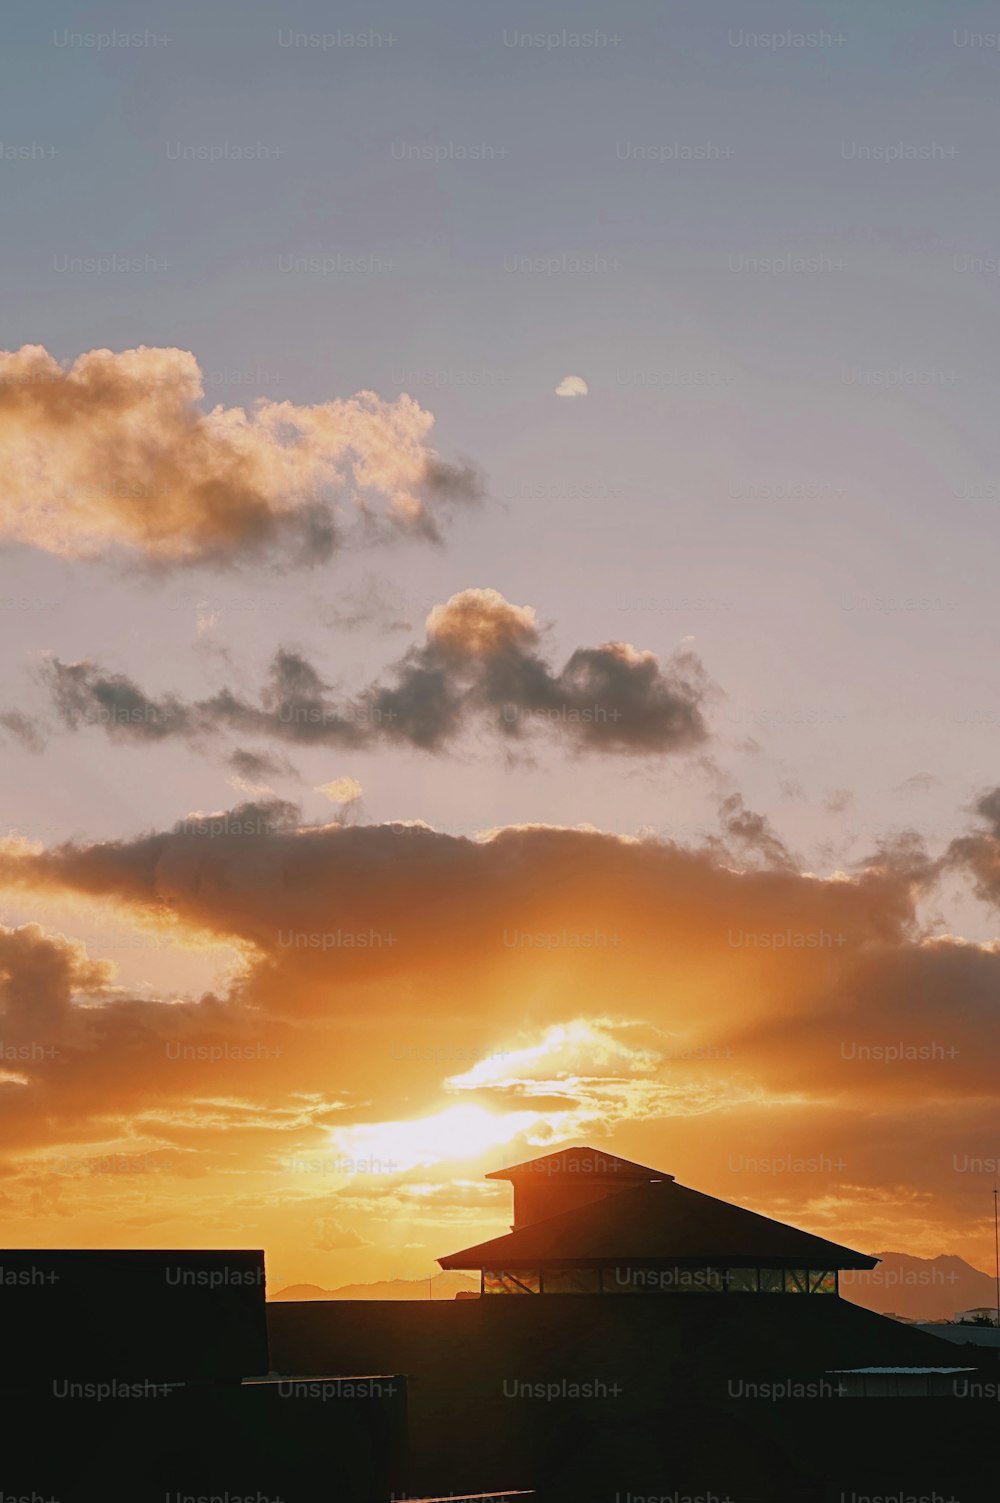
(920, 1288)
(442, 1286)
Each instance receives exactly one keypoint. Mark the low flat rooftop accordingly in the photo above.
(895, 1371)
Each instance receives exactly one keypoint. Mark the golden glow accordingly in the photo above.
(455, 1134)
(579, 1049)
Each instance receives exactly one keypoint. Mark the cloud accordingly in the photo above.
(112, 455)
(94, 1058)
(23, 729)
(84, 695)
(341, 790)
(753, 834)
(796, 1020)
(481, 664)
(39, 977)
(978, 854)
(254, 766)
(249, 771)
(572, 386)
(593, 1076)
(920, 782)
(253, 876)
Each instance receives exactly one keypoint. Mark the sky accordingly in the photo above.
(497, 579)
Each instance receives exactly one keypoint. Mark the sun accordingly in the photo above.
(457, 1133)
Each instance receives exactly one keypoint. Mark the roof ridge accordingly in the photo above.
(570, 1154)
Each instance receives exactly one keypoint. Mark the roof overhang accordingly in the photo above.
(473, 1258)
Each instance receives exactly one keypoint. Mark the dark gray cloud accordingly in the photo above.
(256, 765)
(82, 694)
(753, 836)
(481, 665)
(978, 854)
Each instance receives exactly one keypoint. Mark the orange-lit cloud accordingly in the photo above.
(113, 453)
(417, 1008)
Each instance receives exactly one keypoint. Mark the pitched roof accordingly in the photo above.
(657, 1221)
(581, 1163)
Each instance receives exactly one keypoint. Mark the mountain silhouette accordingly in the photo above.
(920, 1288)
(441, 1286)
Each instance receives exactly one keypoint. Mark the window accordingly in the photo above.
(743, 1281)
(624, 1280)
(571, 1281)
(698, 1280)
(665, 1278)
(662, 1279)
(519, 1282)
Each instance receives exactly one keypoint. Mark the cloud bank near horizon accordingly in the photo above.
(677, 1001)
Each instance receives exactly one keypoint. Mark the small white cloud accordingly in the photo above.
(572, 386)
(250, 788)
(341, 790)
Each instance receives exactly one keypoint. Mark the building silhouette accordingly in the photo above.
(696, 1384)
(591, 1223)
(141, 1376)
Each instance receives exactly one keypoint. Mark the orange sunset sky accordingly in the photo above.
(395, 1011)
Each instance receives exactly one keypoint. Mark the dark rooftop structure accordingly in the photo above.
(630, 1229)
(569, 1179)
(165, 1315)
(130, 1376)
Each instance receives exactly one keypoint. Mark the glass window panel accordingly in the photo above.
(679, 1279)
(621, 1279)
(674, 1280)
(518, 1282)
(771, 1281)
(663, 1279)
(822, 1283)
(571, 1281)
(698, 1280)
(796, 1281)
(743, 1280)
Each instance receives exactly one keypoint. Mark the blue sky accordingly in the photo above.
(796, 469)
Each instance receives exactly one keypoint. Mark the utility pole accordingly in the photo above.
(996, 1245)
